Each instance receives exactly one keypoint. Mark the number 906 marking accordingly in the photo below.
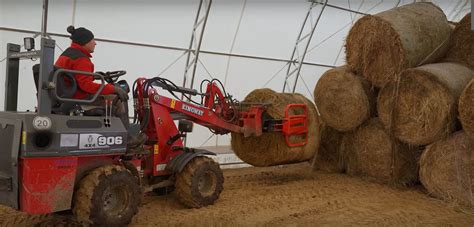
(109, 140)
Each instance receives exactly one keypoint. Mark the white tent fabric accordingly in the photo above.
(266, 29)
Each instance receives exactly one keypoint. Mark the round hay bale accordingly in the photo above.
(425, 109)
(466, 109)
(270, 148)
(344, 100)
(446, 169)
(372, 153)
(330, 156)
(461, 48)
(380, 46)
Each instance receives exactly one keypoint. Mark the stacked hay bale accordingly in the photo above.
(270, 148)
(466, 109)
(446, 169)
(381, 46)
(330, 157)
(421, 107)
(447, 166)
(372, 153)
(344, 100)
(401, 52)
(462, 51)
(461, 48)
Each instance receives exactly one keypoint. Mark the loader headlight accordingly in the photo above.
(29, 43)
(42, 123)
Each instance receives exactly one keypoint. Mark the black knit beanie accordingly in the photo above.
(80, 36)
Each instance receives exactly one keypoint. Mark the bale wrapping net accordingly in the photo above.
(446, 169)
(344, 100)
(373, 154)
(462, 43)
(270, 148)
(466, 109)
(380, 46)
(421, 108)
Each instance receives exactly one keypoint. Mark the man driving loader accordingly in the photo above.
(77, 57)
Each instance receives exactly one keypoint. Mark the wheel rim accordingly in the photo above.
(115, 200)
(207, 183)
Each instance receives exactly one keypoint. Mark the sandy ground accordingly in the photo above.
(292, 195)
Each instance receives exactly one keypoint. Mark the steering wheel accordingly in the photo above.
(112, 76)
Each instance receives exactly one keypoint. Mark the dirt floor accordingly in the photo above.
(291, 195)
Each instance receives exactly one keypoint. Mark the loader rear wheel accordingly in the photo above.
(107, 196)
(200, 183)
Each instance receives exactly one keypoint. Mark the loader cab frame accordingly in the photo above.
(46, 57)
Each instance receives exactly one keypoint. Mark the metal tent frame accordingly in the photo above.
(297, 58)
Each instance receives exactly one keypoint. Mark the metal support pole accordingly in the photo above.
(296, 62)
(47, 64)
(344, 9)
(11, 79)
(44, 21)
(74, 7)
(196, 40)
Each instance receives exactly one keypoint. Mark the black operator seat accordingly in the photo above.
(66, 87)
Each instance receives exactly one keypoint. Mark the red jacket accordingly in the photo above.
(77, 58)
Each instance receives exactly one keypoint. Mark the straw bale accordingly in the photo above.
(344, 100)
(270, 148)
(381, 46)
(330, 157)
(425, 108)
(466, 109)
(462, 43)
(373, 154)
(446, 169)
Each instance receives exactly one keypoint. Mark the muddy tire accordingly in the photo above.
(200, 183)
(107, 196)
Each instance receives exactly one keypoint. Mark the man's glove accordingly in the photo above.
(121, 94)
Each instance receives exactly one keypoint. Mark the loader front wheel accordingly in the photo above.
(200, 182)
(107, 196)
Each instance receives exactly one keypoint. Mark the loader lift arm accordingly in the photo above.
(217, 111)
